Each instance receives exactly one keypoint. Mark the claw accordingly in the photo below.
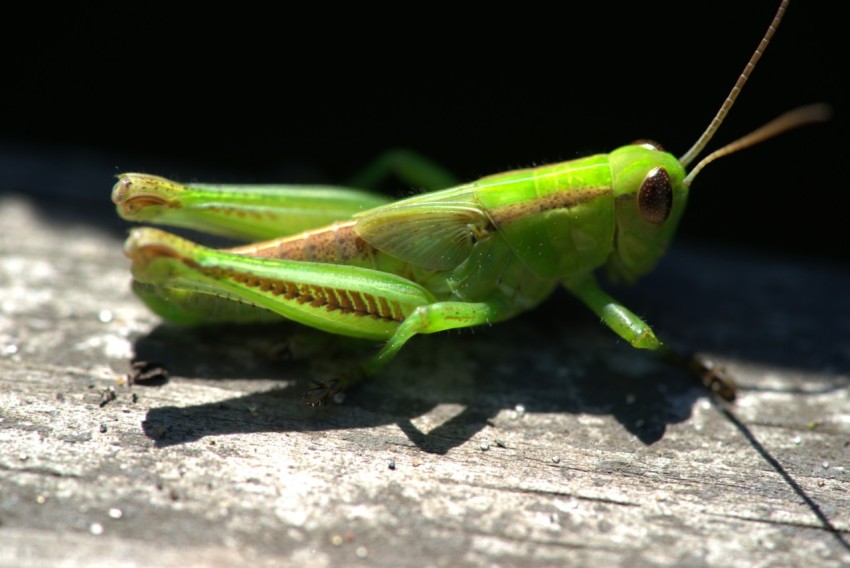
(716, 379)
(322, 392)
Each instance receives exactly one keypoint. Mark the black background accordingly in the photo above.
(291, 93)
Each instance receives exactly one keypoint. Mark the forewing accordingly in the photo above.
(434, 235)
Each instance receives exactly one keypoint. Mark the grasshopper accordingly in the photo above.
(350, 262)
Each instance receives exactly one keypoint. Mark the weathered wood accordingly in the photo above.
(539, 442)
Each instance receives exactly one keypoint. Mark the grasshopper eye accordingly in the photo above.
(655, 196)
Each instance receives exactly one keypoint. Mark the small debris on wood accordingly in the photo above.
(107, 395)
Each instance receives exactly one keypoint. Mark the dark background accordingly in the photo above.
(249, 94)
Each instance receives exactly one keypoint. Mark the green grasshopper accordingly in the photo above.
(352, 263)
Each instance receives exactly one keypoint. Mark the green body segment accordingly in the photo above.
(469, 255)
(557, 219)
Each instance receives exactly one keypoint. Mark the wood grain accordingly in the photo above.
(540, 442)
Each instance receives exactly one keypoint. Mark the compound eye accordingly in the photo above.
(655, 196)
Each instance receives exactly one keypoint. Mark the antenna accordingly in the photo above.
(703, 140)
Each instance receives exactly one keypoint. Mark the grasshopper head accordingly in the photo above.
(651, 188)
(649, 198)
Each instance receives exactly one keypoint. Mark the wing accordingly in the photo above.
(437, 235)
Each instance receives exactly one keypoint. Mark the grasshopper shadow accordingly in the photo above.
(525, 363)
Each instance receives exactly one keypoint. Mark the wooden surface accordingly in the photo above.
(540, 442)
